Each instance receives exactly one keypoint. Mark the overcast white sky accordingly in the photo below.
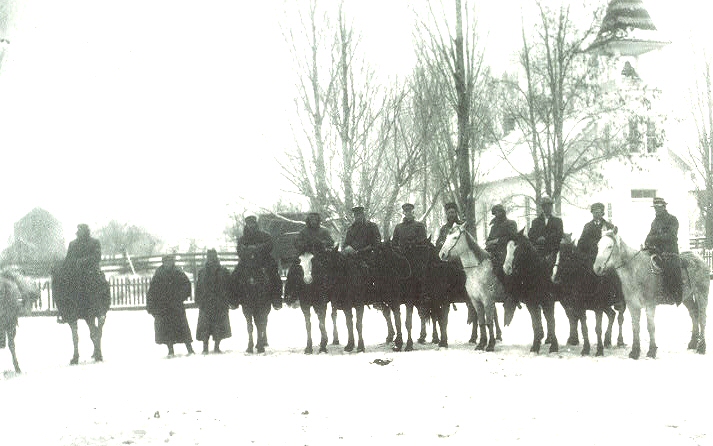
(161, 113)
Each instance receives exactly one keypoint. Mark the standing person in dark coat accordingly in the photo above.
(362, 235)
(409, 232)
(212, 300)
(451, 219)
(592, 232)
(168, 289)
(313, 238)
(546, 231)
(662, 241)
(502, 230)
(254, 249)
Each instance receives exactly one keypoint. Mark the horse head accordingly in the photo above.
(29, 290)
(518, 241)
(608, 252)
(451, 247)
(305, 261)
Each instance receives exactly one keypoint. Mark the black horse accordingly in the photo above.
(253, 288)
(579, 290)
(531, 285)
(353, 289)
(82, 294)
(310, 282)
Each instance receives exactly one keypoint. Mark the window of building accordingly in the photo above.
(643, 194)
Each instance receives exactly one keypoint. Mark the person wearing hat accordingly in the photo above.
(84, 252)
(502, 230)
(313, 238)
(409, 232)
(546, 231)
(451, 219)
(662, 242)
(592, 232)
(362, 235)
(212, 287)
(254, 249)
(168, 289)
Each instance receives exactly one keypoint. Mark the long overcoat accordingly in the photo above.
(168, 289)
(212, 301)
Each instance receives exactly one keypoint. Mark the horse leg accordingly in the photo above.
(473, 320)
(611, 315)
(480, 310)
(11, 332)
(538, 332)
(573, 338)
(651, 327)
(598, 330)
(321, 310)
(249, 322)
(548, 308)
(398, 341)
(350, 329)
(490, 314)
(635, 314)
(443, 324)
(308, 326)
(359, 326)
(620, 322)
(95, 335)
(435, 339)
(409, 325)
(75, 341)
(586, 347)
(693, 312)
(424, 321)
(498, 332)
(702, 323)
(386, 312)
(335, 332)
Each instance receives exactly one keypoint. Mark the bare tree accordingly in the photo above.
(559, 106)
(121, 238)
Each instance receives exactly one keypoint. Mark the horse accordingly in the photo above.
(81, 294)
(310, 281)
(642, 283)
(352, 285)
(253, 290)
(531, 285)
(580, 290)
(481, 284)
(17, 294)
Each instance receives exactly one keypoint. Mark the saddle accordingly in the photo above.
(669, 266)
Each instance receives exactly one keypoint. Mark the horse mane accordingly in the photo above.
(479, 252)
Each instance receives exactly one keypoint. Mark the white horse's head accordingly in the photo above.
(306, 264)
(451, 248)
(509, 257)
(607, 252)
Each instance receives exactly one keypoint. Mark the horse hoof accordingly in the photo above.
(573, 341)
(651, 353)
(261, 349)
(409, 346)
(585, 351)
(308, 351)
(554, 347)
(473, 340)
(361, 349)
(600, 352)
(335, 342)
(323, 349)
(421, 340)
(443, 344)
(535, 348)
(480, 346)
(396, 348)
(499, 338)
(389, 339)
(692, 344)
(620, 343)
(249, 350)
(435, 340)
(74, 360)
(701, 350)
(98, 357)
(349, 348)
(607, 344)
(634, 354)
(490, 347)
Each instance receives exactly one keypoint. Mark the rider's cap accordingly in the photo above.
(658, 201)
(596, 206)
(497, 208)
(358, 209)
(407, 207)
(251, 219)
(546, 200)
(451, 206)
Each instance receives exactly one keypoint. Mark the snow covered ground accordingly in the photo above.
(426, 397)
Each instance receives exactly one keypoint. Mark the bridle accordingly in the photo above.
(611, 251)
(448, 253)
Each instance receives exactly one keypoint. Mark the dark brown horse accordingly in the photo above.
(17, 294)
(579, 290)
(531, 285)
(82, 294)
(253, 289)
(642, 284)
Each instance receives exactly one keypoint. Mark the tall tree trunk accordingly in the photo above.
(463, 148)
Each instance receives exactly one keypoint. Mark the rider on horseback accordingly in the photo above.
(254, 248)
(546, 231)
(502, 231)
(362, 235)
(451, 219)
(313, 238)
(662, 243)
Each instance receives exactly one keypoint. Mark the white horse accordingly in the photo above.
(16, 297)
(642, 288)
(481, 283)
